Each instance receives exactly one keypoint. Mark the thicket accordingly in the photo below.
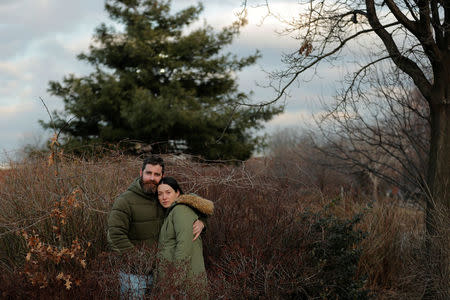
(268, 238)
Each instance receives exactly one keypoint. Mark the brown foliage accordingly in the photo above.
(257, 245)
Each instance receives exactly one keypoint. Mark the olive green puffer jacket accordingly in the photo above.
(135, 218)
(175, 239)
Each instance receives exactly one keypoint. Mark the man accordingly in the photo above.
(136, 218)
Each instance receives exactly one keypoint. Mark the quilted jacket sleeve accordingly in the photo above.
(118, 226)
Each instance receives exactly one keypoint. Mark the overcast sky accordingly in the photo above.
(39, 41)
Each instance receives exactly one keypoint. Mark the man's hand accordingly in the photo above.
(197, 229)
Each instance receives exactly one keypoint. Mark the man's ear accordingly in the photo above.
(140, 173)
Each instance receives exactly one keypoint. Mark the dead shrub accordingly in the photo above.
(261, 242)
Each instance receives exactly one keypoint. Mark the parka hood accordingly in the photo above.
(201, 204)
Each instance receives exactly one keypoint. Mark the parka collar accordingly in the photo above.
(203, 205)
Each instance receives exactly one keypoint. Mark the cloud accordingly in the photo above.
(299, 120)
(27, 21)
(261, 30)
(291, 118)
(11, 71)
(9, 111)
(295, 118)
(18, 126)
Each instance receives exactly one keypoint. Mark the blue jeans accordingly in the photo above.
(134, 286)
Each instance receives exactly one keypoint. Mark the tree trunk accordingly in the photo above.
(439, 160)
(438, 177)
(438, 198)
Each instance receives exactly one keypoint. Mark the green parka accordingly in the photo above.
(175, 238)
(135, 218)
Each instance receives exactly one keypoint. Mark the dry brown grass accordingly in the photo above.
(255, 228)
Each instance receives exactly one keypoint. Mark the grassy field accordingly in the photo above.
(269, 238)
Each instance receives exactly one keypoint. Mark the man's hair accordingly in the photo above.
(153, 160)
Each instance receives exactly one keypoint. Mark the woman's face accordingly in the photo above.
(166, 195)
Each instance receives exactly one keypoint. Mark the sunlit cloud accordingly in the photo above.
(8, 111)
(297, 119)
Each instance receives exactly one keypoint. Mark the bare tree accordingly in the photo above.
(379, 138)
(383, 130)
(295, 157)
(413, 35)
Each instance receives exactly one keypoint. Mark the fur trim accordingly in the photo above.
(201, 204)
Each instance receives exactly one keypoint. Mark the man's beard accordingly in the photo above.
(149, 187)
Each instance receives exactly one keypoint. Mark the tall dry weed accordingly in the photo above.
(257, 245)
(54, 219)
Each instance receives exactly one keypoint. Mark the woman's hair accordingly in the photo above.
(172, 183)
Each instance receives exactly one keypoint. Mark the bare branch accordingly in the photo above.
(281, 92)
(410, 25)
(405, 64)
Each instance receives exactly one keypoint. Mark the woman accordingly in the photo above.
(177, 248)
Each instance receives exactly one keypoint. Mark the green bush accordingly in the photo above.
(336, 256)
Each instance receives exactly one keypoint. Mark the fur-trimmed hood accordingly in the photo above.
(201, 204)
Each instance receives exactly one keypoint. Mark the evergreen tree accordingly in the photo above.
(162, 82)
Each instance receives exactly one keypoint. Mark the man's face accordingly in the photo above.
(150, 178)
